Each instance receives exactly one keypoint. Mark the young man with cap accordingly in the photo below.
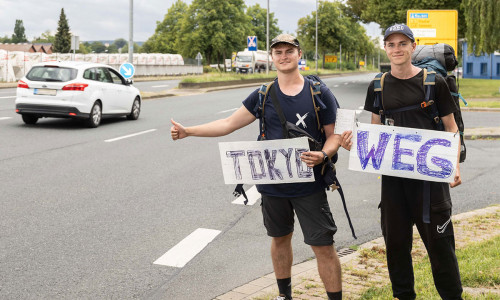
(403, 200)
(281, 201)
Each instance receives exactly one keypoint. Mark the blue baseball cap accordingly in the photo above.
(399, 28)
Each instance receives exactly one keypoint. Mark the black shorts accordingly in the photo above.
(313, 213)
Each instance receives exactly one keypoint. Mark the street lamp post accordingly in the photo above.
(131, 33)
(267, 38)
(316, 55)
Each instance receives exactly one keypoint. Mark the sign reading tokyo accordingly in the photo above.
(404, 152)
(127, 70)
(265, 162)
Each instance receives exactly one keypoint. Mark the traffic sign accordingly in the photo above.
(127, 70)
(199, 58)
(252, 43)
(331, 58)
(434, 26)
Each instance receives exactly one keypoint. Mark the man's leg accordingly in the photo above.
(397, 229)
(318, 227)
(282, 256)
(279, 219)
(328, 267)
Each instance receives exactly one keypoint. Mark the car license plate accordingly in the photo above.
(44, 92)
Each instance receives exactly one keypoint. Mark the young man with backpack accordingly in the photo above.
(400, 100)
(281, 201)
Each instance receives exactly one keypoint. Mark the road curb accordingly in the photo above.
(266, 284)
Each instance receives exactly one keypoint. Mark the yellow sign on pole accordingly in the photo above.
(331, 58)
(434, 26)
(361, 63)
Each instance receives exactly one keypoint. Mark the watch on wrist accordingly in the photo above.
(326, 158)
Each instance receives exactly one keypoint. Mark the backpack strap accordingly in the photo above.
(315, 88)
(378, 86)
(263, 92)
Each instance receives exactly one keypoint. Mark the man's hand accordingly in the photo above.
(312, 158)
(346, 140)
(457, 180)
(177, 131)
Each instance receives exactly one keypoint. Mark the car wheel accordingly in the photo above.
(95, 116)
(30, 119)
(136, 110)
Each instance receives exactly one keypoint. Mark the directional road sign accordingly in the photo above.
(127, 70)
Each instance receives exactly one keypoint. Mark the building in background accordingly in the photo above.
(486, 66)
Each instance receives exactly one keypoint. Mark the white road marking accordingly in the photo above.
(336, 85)
(225, 111)
(159, 86)
(252, 194)
(346, 83)
(7, 97)
(188, 248)
(130, 135)
(361, 107)
(5, 118)
(359, 111)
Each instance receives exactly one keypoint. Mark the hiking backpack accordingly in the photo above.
(433, 59)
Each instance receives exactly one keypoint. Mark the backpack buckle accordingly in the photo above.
(436, 119)
(426, 104)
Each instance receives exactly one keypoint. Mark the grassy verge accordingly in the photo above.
(215, 76)
(482, 104)
(479, 268)
(479, 88)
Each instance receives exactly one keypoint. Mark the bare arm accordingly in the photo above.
(240, 118)
(451, 126)
(332, 145)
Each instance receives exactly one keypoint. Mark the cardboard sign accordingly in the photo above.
(404, 152)
(265, 162)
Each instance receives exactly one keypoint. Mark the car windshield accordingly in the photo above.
(51, 73)
(244, 58)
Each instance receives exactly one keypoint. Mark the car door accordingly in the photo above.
(125, 97)
(109, 95)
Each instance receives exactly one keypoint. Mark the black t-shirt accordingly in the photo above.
(399, 93)
(299, 110)
(406, 92)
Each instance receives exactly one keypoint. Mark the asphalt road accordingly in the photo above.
(83, 218)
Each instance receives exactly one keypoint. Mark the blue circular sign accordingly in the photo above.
(127, 70)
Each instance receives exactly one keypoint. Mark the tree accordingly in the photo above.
(335, 28)
(215, 28)
(62, 42)
(387, 13)
(46, 37)
(19, 36)
(167, 33)
(5, 39)
(258, 24)
(483, 28)
(120, 43)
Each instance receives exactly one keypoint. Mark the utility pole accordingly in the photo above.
(316, 55)
(267, 39)
(131, 33)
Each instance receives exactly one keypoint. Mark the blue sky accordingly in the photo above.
(108, 19)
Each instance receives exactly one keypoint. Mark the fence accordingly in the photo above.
(15, 64)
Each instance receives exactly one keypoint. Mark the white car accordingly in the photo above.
(78, 90)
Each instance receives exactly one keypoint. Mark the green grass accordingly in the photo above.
(482, 104)
(479, 88)
(222, 76)
(479, 265)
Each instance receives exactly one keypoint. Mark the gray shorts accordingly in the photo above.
(313, 213)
